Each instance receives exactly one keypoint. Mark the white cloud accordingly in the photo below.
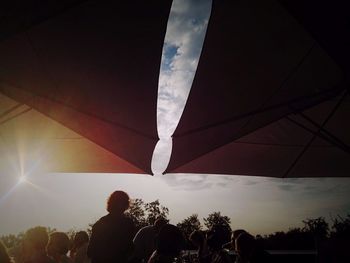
(183, 43)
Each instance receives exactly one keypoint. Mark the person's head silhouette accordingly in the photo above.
(197, 238)
(245, 245)
(217, 236)
(80, 238)
(58, 245)
(118, 202)
(159, 223)
(170, 241)
(37, 238)
(234, 236)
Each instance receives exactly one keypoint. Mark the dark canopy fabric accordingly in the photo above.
(93, 67)
(329, 23)
(291, 147)
(19, 15)
(31, 142)
(259, 67)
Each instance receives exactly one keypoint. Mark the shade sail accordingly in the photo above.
(329, 23)
(93, 68)
(289, 147)
(258, 66)
(17, 15)
(31, 142)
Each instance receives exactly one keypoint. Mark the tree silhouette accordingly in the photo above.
(295, 238)
(216, 218)
(341, 227)
(136, 212)
(155, 210)
(317, 226)
(144, 214)
(190, 224)
(12, 240)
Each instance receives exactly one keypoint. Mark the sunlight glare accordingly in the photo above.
(22, 179)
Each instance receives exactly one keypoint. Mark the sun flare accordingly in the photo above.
(22, 179)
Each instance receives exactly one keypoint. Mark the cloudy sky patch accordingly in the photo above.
(183, 43)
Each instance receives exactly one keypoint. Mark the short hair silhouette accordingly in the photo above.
(80, 238)
(170, 241)
(58, 243)
(217, 236)
(234, 236)
(118, 202)
(112, 235)
(237, 232)
(78, 251)
(245, 245)
(37, 237)
(159, 223)
(197, 237)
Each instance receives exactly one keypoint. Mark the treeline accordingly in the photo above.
(313, 232)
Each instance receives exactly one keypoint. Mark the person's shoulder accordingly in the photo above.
(141, 234)
(101, 222)
(103, 219)
(66, 259)
(126, 219)
(153, 257)
(222, 256)
(146, 229)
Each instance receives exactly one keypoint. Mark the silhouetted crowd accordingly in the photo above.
(112, 240)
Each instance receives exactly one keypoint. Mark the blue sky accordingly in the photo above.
(260, 205)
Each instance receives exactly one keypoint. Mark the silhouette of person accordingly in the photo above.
(199, 240)
(248, 251)
(111, 238)
(169, 243)
(232, 243)
(144, 240)
(58, 247)
(4, 257)
(34, 246)
(78, 252)
(217, 236)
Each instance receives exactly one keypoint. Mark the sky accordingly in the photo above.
(260, 205)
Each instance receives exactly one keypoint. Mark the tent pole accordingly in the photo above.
(315, 135)
(15, 116)
(334, 141)
(324, 130)
(6, 112)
